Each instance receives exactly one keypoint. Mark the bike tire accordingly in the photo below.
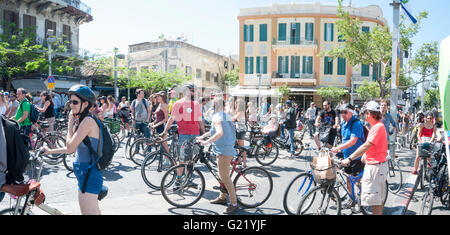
(169, 193)
(427, 202)
(154, 167)
(264, 157)
(68, 161)
(395, 177)
(253, 186)
(139, 149)
(309, 202)
(53, 142)
(296, 189)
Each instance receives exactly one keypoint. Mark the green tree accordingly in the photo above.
(368, 90)
(151, 81)
(20, 55)
(284, 91)
(231, 77)
(431, 99)
(332, 94)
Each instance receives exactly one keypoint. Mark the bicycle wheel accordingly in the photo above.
(53, 142)
(68, 161)
(139, 149)
(327, 202)
(395, 177)
(296, 189)
(266, 156)
(116, 142)
(8, 211)
(154, 167)
(253, 186)
(427, 202)
(185, 191)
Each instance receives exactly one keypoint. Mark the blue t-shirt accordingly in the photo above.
(348, 131)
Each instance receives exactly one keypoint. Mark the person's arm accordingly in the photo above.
(317, 121)
(434, 134)
(419, 140)
(149, 113)
(83, 130)
(359, 152)
(24, 117)
(217, 122)
(43, 109)
(346, 145)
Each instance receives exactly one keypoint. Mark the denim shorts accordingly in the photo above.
(182, 156)
(95, 180)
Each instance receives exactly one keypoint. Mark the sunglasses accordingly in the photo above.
(74, 102)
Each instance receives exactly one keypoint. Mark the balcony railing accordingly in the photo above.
(295, 41)
(294, 77)
(78, 5)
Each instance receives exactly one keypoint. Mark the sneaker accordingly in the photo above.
(219, 201)
(230, 209)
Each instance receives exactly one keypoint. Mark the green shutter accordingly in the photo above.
(279, 65)
(246, 65)
(309, 32)
(364, 70)
(328, 65)
(365, 29)
(245, 32)
(263, 32)
(258, 64)
(310, 64)
(332, 32)
(251, 33)
(282, 32)
(304, 63)
(265, 64)
(286, 69)
(251, 65)
(341, 66)
(325, 32)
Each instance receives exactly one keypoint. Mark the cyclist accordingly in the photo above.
(241, 128)
(188, 115)
(161, 115)
(124, 112)
(426, 134)
(352, 138)
(22, 114)
(140, 111)
(387, 118)
(80, 126)
(47, 109)
(311, 117)
(290, 123)
(327, 117)
(373, 182)
(223, 138)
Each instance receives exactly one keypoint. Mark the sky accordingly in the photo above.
(213, 24)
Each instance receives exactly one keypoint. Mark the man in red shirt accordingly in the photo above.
(373, 182)
(188, 115)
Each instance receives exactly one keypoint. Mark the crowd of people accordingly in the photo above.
(364, 132)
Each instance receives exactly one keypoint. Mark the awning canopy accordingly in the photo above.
(302, 89)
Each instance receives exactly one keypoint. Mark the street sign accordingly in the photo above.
(51, 83)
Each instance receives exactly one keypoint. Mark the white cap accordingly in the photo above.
(373, 106)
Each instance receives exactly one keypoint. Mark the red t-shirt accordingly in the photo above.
(378, 151)
(188, 115)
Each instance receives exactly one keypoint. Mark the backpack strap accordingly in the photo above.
(92, 163)
(351, 125)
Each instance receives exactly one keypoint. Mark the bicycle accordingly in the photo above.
(330, 193)
(157, 163)
(24, 204)
(395, 177)
(438, 185)
(253, 185)
(52, 140)
(425, 154)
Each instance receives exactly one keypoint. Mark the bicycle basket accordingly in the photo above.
(324, 133)
(113, 125)
(424, 150)
(323, 170)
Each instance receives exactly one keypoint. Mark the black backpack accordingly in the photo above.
(16, 150)
(105, 147)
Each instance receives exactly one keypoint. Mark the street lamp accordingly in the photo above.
(120, 56)
(50, 39)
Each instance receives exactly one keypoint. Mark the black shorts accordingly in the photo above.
(355, 167)
(240, 135)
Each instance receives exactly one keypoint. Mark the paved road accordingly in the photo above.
(128, 194)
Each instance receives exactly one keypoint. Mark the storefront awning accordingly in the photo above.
(302, 89)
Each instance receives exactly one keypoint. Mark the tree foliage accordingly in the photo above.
(368, 90)
(331, 93)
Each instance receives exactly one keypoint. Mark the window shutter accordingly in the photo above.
(245, 33)
(282, 32)
(265, 64)
(279, 64)
(258, 64)
(251, 33)
(263, 32)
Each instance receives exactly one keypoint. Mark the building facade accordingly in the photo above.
(280, 45)
(62, 18)
(207, 69)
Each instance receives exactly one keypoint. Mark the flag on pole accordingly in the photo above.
(444, 90)
(406, 6)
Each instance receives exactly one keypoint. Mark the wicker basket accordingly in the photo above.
(113, 125)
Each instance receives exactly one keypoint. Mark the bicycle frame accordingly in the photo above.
(353, 181)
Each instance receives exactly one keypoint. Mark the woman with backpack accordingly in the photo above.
(81, 125)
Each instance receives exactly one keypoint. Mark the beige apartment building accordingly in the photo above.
(279, 45)
(206, 68)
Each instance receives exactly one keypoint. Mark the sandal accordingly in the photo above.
(230, 209)
(219, 201)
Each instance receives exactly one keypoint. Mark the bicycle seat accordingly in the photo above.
(103, 193)
(20, 189)
(245, 148)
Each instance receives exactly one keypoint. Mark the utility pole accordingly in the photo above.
(395, 45)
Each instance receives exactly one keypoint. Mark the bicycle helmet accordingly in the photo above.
(83, 92)
(189, 85)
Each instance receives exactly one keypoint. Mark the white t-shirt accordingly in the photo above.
(311, 113)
